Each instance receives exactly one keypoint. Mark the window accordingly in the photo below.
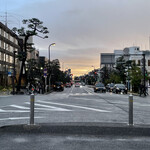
(133, 61)
(139, 62)
(7, 58)
(11, 59)
(148, 62)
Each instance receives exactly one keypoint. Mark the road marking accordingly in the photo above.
(18, 118)
(15, 111)
(81, 94)
(82, 107)
(51, 107)
(89, 92)
(1, 110)
(5, 96)
(20, 107)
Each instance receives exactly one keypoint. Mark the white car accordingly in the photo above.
(77, 84)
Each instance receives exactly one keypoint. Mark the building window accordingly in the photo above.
(148, 62)
(7, 60)
(11, 59)
(139, 62)
(133, 61)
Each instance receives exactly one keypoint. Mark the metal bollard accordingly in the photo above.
(32, 98)
(130, 110)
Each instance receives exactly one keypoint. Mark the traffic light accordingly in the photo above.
(146, 73)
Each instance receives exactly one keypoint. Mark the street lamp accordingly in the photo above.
(14, 72)
(53, 44)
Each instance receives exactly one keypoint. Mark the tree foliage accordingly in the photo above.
(34, 27)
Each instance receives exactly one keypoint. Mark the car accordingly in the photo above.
(99, 87)
(58, 86)
(120, 88)
(68, 84)
(109, 87)
(83, 84)
(77, 84)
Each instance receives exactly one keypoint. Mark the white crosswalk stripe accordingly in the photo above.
(38, 107)
(80, 94)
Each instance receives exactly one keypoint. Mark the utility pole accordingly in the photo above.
(144, 70)
(14, 74)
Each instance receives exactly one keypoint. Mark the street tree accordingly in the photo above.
(34, 27)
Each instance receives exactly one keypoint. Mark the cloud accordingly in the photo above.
(82, 29)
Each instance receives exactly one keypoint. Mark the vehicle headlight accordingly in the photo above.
(117, 88)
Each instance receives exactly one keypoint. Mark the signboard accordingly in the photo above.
(45, 72)
(9, 74)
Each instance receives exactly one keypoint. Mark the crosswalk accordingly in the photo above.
(81, 94)
(43, 106)
(39, 106)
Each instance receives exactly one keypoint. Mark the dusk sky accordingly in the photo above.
(82, 29)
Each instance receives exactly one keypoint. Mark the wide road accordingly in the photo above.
(75, 104)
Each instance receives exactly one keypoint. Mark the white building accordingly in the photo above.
(134, 54)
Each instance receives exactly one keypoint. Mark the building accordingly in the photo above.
(130, 53)
(107, 59)
(43, 61)
(8, 45)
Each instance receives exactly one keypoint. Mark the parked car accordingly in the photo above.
(83, 84)
(68, 84)
(109, 87)
(118, 88)
(58, 86)
(99, 87)
(77, 84)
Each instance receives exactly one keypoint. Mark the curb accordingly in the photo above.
(80, 129)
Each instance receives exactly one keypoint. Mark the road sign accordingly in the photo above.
(9, 74)
(45, 72)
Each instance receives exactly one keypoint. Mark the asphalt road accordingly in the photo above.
(75, 104)
(58, 142)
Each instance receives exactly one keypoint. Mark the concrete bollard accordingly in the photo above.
(32, 99)
(130, 110)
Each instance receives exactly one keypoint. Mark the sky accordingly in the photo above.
(82, 29)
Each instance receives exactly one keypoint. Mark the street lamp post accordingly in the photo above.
(53, 44)
(14, 73)
(95, 78)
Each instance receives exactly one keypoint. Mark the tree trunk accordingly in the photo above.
(20, 76)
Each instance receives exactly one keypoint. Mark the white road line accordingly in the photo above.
(1, 110)
(20, 107)
(89, 92)
(51, 107)
(15, 111)
(18, 118)
(82, 107)
(80, 94)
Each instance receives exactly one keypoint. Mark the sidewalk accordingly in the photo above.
(118, 129)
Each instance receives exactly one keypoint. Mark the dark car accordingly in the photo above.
(99, 87)
(109, 87)
(120, 88)
(58, 86)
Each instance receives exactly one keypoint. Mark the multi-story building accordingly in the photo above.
(130, 53)
(8, 45)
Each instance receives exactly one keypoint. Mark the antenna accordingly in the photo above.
(6, 18)
(6, 13)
